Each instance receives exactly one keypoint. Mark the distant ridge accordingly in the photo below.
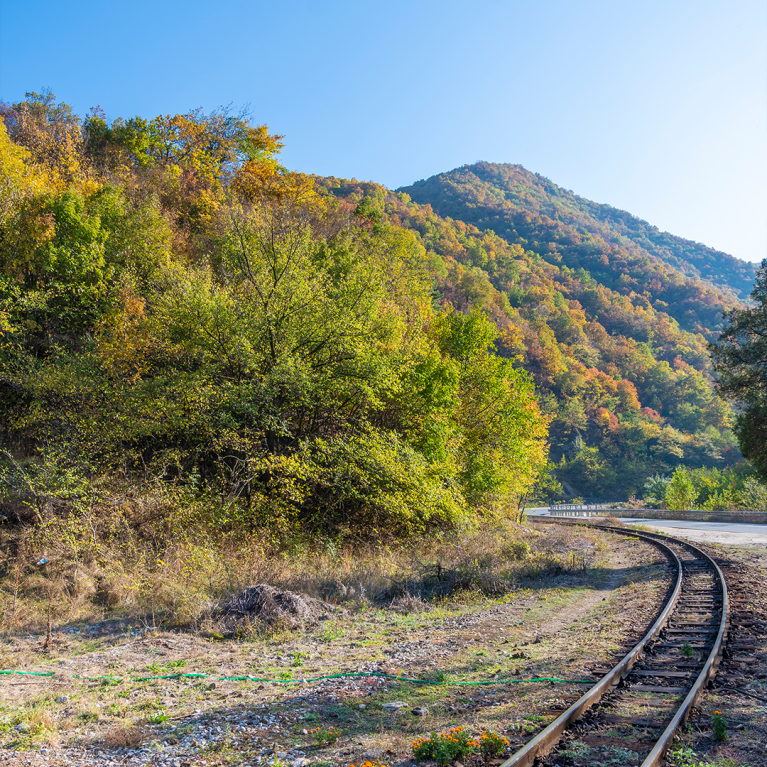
(528, 208)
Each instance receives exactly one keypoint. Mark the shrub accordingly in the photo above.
(445, 747)
(681, 494)
(492, 744)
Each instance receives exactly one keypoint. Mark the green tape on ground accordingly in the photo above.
(30, 673)
(342, 675)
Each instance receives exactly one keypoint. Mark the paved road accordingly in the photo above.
(728, 533)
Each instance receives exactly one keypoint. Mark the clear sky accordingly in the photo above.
(659, 108)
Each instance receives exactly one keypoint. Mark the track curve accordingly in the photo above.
(691, 628)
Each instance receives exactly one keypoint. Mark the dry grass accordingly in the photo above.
(127, 568)
(122, 736)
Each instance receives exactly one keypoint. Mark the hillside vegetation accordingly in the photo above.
(624, 375)
(689, 281)
(182, 318)
(195, 336)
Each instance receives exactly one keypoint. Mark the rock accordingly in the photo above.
(394, 705)
(62, 699)
(362, 707)
(374, 753)
(421, 711)
(300, 762)
(22, 728)
(304, 731)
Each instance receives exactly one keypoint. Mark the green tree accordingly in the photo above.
(503, 447)
(655, 489)
(681, 494)
(740, 359)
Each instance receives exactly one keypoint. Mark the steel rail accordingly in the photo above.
(655, 757)
(542, 743)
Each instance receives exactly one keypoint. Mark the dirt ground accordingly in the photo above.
(554, 627)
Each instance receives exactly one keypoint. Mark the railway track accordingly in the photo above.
(639, 704)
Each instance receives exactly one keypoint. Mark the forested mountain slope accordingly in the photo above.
(627, 385)
(690, 281)
(316, 355)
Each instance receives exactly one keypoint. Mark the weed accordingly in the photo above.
(685, 757)
(183, 585)
(686, 650)
(623, 756)
(719, 726)
(124, 737)
(324, 736)
(440, 677)
(331, 631)
(298, 659)
(575, 750)
(36, 726)
(89, 716)
(532, 722)
(157, 718)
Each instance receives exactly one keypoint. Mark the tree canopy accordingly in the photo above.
(740, 359)
(176, 305)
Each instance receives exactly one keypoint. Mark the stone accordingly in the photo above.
(394, 705)
(420, 711)
(62, 699)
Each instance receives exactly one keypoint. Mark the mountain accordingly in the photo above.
(690, 281)
(333, 354)
(614, 336)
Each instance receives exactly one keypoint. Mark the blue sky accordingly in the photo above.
(659, 108)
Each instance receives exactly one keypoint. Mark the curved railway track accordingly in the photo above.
(653, 688)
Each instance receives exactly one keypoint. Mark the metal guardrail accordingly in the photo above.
(584, 506)
(579, 509)
(592, 510)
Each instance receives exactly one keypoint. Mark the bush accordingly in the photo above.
(681, 494)
(445, 747)
(492, 744)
